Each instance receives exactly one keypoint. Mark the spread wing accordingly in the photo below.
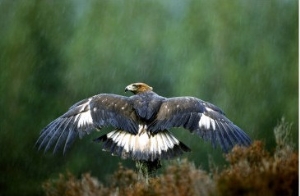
(202, 118)
(85, 116)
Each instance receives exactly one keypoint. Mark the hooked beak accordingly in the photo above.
(130, 88)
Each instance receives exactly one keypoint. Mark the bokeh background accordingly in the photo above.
(240, 55)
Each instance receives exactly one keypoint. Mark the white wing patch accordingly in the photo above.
(207, 122)
(84, 118)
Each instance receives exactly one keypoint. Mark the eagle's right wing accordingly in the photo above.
(202, 118)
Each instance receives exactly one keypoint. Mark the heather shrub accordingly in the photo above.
(254, 171)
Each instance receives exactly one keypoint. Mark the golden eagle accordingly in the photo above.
(141, 125)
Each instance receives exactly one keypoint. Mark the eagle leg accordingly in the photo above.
(147, 168)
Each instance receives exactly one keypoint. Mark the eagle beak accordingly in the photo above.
(130, 87)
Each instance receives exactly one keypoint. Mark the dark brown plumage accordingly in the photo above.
(142, 123)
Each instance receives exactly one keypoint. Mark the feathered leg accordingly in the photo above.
(146, 169)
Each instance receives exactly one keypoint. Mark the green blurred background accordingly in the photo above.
(240, 55)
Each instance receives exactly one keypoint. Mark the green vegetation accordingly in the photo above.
(242, 56)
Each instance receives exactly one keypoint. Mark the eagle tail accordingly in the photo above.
(143, 146)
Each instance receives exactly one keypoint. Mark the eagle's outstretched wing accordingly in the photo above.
(202, 118)
(83, 117)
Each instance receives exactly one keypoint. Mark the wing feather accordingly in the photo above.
(62, 137)
(200, 117)
(85, 116)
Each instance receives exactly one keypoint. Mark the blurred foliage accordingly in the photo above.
(251, 171)
(241, 56)
(125, 181)
(254, 171)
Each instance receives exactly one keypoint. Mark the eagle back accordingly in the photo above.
(146, 105)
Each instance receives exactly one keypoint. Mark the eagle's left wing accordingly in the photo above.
(202, 118)
(85, 116)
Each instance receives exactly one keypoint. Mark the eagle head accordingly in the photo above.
(139, 87)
